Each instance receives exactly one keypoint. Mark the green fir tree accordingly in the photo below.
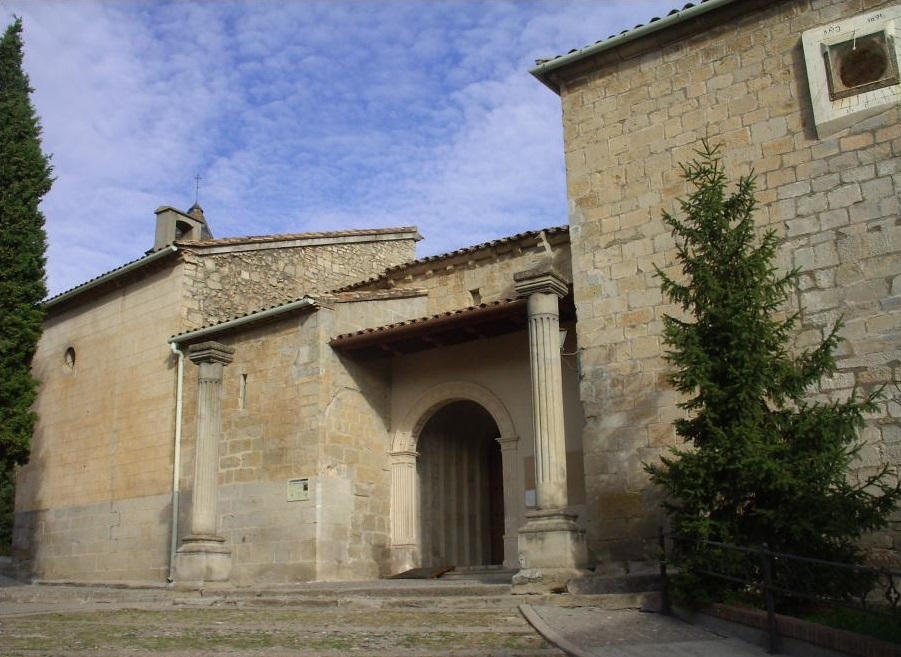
(24, 180)
(764, 463)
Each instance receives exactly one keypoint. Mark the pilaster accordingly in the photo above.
(405, 516)
(513, 498)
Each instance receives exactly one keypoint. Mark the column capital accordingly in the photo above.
(545, 280)
(211, 352)
(404, 455)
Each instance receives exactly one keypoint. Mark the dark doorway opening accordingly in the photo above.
(461, 488)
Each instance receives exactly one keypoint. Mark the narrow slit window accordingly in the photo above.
(69, 358)
(242, 392)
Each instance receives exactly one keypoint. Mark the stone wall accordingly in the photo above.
(292, 409)
(93, 500)
(356, 311)
(356, 487)
(110, 541)
(630, 118)
(226, 281)
(478, 275)
(271, 396)
(357, 438)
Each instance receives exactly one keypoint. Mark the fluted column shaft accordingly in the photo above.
(405, 539)
(405, 520)
(547, 402)
(544, 288)
(211, 357)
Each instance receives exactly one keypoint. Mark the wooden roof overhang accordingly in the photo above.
(444, 330)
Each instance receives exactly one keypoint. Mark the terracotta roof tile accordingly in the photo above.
(430, 318)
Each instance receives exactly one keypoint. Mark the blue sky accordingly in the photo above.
(300, 116)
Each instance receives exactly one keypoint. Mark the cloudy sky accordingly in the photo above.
(300, 116)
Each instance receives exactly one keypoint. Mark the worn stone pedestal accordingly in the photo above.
(553, 550)
(203, 559)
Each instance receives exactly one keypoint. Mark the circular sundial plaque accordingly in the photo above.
(864, 63)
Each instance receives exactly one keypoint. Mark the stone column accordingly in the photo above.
(552, 547)
(513, 498)
(203, 555)
(405, 511)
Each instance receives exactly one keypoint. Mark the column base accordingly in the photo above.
(403, 558)
(203, 559)
(552, 551)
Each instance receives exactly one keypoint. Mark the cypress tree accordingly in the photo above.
(24, 180)
(764, 463)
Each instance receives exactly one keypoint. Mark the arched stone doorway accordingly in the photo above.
(461, 491)
(406, 496)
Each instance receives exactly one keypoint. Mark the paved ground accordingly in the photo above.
(595, 632)
(398, 619)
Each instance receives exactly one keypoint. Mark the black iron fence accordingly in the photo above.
(776, 578)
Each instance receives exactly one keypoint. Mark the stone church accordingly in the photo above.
(326, 406)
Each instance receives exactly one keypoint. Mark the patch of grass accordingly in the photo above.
(884, 627)
(448, 639)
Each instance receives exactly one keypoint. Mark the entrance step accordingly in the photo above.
(483, 574)
(390, 591)
(460, 594)
(457, 595)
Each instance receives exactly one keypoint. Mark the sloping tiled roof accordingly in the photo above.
(543, 67)
(247, 318)
(443, 329)
(462, 313)
(286, 237)
(392, 271)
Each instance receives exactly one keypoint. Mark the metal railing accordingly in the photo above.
(771, 574)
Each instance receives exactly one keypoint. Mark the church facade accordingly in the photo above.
(325, 406)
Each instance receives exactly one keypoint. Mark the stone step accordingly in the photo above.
(376, 588)
(487, 575)
(16, 591)
(380, 594)
(411, 599)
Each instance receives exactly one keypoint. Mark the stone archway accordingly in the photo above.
(405, 491)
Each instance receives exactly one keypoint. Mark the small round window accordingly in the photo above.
(69, 358)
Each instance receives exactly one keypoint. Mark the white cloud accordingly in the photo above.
(300, 116)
